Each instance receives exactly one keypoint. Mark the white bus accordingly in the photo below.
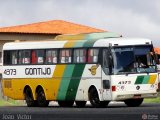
(68, 71)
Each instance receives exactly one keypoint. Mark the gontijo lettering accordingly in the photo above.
(38, 71)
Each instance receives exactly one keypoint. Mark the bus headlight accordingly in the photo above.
(152, 86)
(121, 88)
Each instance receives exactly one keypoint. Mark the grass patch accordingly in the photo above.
(152, 100)
(10, 102)
(5, 103)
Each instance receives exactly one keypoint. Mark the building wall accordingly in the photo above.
(20, 36)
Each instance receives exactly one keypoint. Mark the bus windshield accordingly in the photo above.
(137, 59)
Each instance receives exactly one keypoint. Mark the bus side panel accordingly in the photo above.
(107, 96)
(14, 87)
(91, 77)
(7, 88)
(16, 91)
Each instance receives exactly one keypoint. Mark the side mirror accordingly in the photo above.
(106, 70)
(157, 61)
(110, 63)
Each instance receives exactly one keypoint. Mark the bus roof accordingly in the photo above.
(88, 36)
(78, 43)
(122, 42)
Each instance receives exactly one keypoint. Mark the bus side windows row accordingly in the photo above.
(24, 57)
(80, 55)
(51, 56)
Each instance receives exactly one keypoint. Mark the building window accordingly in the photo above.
(65, 56)
(24, 57)
(93, 55)
(51, 56)
(79, 56)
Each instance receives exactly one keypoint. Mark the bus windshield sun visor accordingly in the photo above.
(141, 50)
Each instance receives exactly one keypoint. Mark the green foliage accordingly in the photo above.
(4, 103)
(153, 100)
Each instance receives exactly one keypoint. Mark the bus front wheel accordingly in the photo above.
(94, 99)
(29, 97)
(41, 99)
(133, 102)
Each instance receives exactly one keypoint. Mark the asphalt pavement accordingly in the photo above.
(115, 111)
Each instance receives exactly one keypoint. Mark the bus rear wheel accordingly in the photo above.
(133, 102)
(29, 98)
(66, 103)
(80, 103)
(41, 99)
(94, 99)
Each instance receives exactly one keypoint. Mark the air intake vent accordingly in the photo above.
(7, 84)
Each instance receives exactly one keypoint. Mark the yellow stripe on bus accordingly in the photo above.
(152, 79)
(57, 77)
(59, 71)
(71, 37)
(69, 44)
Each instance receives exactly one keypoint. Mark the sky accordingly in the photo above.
(130, 18)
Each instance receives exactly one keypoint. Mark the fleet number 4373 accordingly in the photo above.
(10, 71)
(124, 82)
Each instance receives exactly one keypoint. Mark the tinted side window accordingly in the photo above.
(14, 57)
(38, 56)
(65, 56)
(79, 56)
(51, 56)
(7, 57)
(93, 55)
(24, 57)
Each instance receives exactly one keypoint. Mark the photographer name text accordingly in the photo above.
(16, 116)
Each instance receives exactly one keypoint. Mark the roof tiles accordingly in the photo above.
(50, 27)
(157, 50)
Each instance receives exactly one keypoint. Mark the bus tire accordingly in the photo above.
(104, 103)
(94, 99)
(41, 99)
(66, 103)
(29, 97)
(133, 102)
(80, 103)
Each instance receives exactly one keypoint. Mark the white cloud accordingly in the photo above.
(127, 17)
